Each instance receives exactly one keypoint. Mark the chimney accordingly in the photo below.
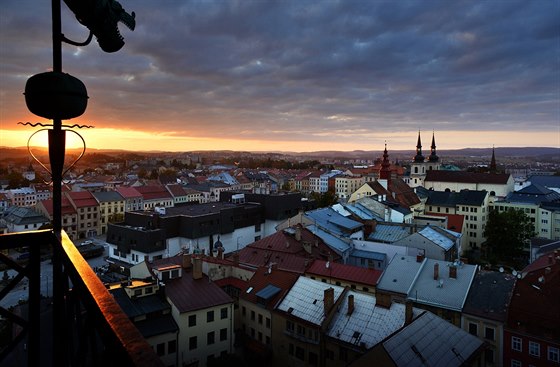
(408, 313)
(220, 252)
(419, 257)
(298, 233)
(187, 261)
(197, 268)
(436, 271)
(328, 300)
(350, 304)
(453, 271)
(550, 262)
(146, 259)
(383, 300)
(235, 258)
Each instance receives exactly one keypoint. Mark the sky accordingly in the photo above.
(301, 76)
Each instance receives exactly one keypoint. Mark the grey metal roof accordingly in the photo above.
(105, 196)
(546, 181)
(446, 292)
(332, 221)
(400, 274)
(362, 212)
(157, 326)
(490, 295)
(389, 233)
(305, 298)
(534, 194)
(332, 241)
(444, 240)
(23, 215)
(378, 256)
(451, 199)
(368, 323)
(139, 306)
(431, 341)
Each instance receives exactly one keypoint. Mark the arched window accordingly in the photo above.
(447, 190)
(415, 169)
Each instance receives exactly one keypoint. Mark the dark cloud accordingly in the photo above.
(270, 69)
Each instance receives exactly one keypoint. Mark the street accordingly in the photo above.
(20, 292)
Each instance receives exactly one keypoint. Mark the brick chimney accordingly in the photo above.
(187, 262)
(328, 299)
(383, 300)
(453, 271)
(235, 258)
(408, 313)
(419, 257)
(436, 271)
(197, 268)
(298, 233)
(350, 304)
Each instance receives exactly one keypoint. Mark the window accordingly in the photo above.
(260, 336)
(171, 346)
(253, 315)
(223, 313)
(192, 320)
(301, 330)
(223, 334)
(268, 322)
(516, 343)
(300, 353)
(289, 326)
(243, 311)
(291, 349)
(313, 359)
(329, 354)
(260, 319)
(515, 363)
(210, 338)
(209, 316)
(553, 354)
(489, 356)
(343, 354)
(192, 342)
(160, 349)
(534, 349)
(489, 333)
(473, 329)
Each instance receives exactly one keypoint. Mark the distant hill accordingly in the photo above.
(7, 153)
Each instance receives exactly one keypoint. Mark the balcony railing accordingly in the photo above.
(86, 325)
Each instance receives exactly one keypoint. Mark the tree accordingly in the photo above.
(324, 199)
(507, 233)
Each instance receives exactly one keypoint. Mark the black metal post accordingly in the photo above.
(57, 147)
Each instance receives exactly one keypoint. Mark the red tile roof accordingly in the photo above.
(283, 249)
(454, 221)
(467, 177)
(232, 281)
(535, 304)
(344, 272)
(128, 192)
(66, 206)
(188, 294)
(153, 192)
(82, 199)
(262, 278)
(176, 190)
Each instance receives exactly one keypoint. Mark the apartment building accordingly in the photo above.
(345, 185)
(87, 209)
(472, 205)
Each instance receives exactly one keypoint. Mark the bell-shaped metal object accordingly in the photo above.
(55, 95)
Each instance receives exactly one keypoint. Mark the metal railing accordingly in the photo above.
(86, 325)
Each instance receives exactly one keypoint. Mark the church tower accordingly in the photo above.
(493, 166)
(385, 171)
(420, 166)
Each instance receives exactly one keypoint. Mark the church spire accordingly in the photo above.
(433, 155)
(385, 172)
(419, 157)
(493, 167)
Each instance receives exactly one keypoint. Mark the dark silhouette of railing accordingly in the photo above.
(87, 323)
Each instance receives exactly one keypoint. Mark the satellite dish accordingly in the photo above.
(514, 273)
(518, 275)
(501, 269)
